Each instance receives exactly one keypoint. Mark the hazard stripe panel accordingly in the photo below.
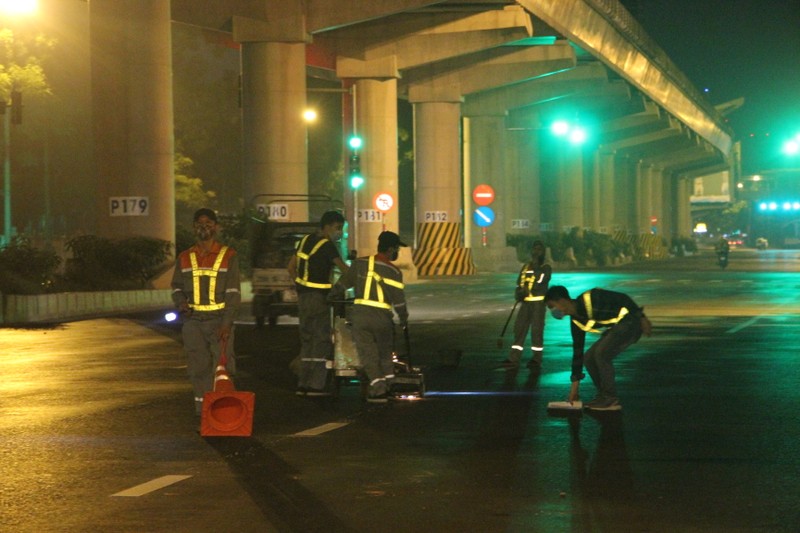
(439, 251)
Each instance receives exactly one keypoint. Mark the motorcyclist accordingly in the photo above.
(722, 248)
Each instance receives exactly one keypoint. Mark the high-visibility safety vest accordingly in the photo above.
(589, 326)
(527, 279)
(211, 273)
(302, 265)
(376, 280)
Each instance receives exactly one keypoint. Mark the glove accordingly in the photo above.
(519, 294)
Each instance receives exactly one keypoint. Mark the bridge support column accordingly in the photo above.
(273, 99)
(132, 109)
(607, 210)
(439, 215)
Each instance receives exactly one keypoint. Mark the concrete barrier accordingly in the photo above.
(66, 306)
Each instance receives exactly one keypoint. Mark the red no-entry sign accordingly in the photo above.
(483, 194)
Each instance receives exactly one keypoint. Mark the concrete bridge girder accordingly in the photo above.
(450, 80)
(614, 97)
(581, 22)
(582, 79)
(416, 40)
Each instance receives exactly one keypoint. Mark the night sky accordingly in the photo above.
(732, 49)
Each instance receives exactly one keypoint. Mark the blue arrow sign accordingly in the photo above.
(483, 216)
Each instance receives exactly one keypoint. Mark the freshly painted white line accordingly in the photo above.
(150, 486)
(319, 430)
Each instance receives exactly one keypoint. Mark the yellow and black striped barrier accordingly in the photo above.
(439, 251)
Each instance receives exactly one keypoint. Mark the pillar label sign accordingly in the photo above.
(436, 216)
(370, 215)
(520, 223)
(483, 216)
(483, 194)
(129, 206)
(274, 211)
(384, 202)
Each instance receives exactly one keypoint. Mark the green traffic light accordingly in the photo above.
(355, 142)
(356, 181)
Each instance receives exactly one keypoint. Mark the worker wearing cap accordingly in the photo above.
(311, 268)
(379, 293)
(532, 283)
(206, 289)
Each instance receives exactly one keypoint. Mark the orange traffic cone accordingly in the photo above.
(226, 412)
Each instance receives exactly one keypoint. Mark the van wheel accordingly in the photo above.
(259, 322)
(273, 320)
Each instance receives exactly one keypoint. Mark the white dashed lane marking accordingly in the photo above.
(150, 486)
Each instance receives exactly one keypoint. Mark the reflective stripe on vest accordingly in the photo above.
(372, 275)
(197, 272)
(527, 280)
(302, 265)
(589, 326)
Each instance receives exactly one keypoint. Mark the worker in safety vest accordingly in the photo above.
(379, 293)
(620, 323)
(532, 283)
(206, 290)
(311, 268)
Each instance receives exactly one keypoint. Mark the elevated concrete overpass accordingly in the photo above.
(486, 79)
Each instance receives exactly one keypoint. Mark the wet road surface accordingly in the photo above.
(707, 440)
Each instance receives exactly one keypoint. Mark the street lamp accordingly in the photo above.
(19, 7)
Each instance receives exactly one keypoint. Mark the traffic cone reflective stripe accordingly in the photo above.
(222, 381)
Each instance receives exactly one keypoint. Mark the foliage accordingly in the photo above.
(104, 264)
(26, 270)
(189, 193)
(21, 63)
(581, 247)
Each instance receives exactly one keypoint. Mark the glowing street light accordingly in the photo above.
(310, 115)
(19, 7)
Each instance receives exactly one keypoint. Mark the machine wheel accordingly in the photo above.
(273, 320)
(259, 322)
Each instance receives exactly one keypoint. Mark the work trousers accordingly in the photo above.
(202, 347)
(316, 346)
(598, 358)
(373, 335)
(531, 315)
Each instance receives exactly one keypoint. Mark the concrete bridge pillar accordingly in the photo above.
(275, 159)
(131, 58)
(484, 137)
(376, 123)
(439, 246)
(607, 209)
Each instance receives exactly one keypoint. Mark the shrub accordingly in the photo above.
(103, 264)
(26, 270)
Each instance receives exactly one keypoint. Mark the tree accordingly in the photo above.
(189, 192)
(21, 64)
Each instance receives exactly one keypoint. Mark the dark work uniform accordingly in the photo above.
(618, 319)
(315, 262)
(532, 284)
(379, 292)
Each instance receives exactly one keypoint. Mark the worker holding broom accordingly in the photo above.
(532, 283)
(206, 290)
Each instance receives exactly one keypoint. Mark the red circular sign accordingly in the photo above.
(383, 202)
(483, 194)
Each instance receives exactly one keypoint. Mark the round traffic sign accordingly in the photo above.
(483, 194)
(483, 216)
(383, 202)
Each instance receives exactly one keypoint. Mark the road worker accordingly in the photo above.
(311, 268)
(620, 323)
(206, 290)
(531, 286)
(379, 293)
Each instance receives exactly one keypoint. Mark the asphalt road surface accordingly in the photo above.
(97, 430)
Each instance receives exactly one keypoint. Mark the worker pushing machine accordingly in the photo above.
(532, 283)
(311, 268)
(379, 290)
